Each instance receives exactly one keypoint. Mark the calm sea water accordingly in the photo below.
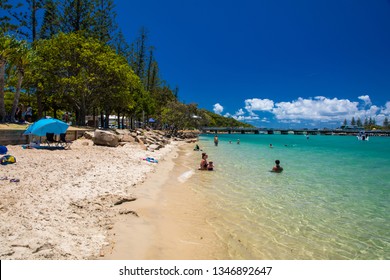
(332, 200)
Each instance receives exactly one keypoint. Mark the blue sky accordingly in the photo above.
(272, 63)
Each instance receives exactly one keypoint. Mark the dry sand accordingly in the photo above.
(64, 206)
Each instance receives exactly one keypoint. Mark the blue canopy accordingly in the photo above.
(151, 120)
(43, 126)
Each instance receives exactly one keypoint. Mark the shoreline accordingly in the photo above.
(172, 222)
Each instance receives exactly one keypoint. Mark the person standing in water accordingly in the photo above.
(216, 140)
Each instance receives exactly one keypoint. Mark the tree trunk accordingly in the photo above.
(94, 117)
(107, 120)
(101, 119)
(40, 105)
(2, 84)
(16, 97)
(83, 112)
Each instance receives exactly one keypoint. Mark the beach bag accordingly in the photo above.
(7, 159)
(3, 150)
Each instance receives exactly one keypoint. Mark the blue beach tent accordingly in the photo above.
(43, 126)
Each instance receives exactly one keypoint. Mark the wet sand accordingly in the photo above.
(172, 219)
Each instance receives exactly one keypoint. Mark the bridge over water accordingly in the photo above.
(257, 130)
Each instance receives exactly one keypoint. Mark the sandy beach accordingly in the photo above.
(96, 202)
(172, 222)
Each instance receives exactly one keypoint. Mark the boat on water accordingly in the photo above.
(362, 136)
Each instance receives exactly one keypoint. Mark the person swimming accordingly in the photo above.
(277, 168)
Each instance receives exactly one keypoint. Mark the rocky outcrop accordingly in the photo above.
(105, 138)
(150, 140)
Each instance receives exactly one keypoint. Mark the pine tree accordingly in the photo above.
(6, 24)
(359, 122)
(150, 70)
(366, 122)
(141, 54)
(25, 18)
(121, 46)
(345, 122)
(353, 122)
(386, 123)
(77, 15)
(104, 18)
(51, 22)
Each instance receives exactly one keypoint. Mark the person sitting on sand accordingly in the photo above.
(196, 147)
(203, 162)
(277, 168)
(210, 166)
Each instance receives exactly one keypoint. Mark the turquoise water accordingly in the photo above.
(332, 200)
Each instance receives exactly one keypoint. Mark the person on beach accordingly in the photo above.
(196, 147)
(210, 166)
(29, 114)
(203, 162)
(277, 168)
(216, 140)
(238, 141)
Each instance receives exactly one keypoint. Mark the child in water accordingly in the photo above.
(277, 168)
(210, 166)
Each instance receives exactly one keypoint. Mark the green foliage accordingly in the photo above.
(51, 20)
(359, 122)
(81, 73)
(386, 123)
(220, 121)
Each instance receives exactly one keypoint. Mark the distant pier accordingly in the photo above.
(254, 130)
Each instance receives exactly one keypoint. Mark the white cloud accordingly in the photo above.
(366, 99)
(386, 109)
(309, 111)
(240, 112)
(265, 120)
(256, 104)
(218, 108)
(246, 118)
(318, 108)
